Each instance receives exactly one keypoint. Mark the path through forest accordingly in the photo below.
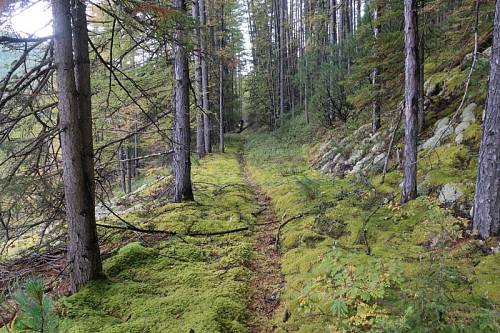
(268, 280)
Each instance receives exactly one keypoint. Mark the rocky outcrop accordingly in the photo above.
(450, 194)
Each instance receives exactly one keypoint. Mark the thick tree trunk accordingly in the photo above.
(486, 218)
(75, 122)
(375, 72)
(200, 138)
(409, 190)
(181, 163)
(204, 76)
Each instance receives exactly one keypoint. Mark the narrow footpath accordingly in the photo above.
(268, 281)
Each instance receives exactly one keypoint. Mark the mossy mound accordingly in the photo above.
(183, 283)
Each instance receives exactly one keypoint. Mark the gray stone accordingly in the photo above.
(443, 132)
(441, 123)
(377, 147)
(487, 52)
(355, 157)
(449, 194)
(459, 138)
(468, 113)
(431, 88)
(423, 188)
(379, 159)
(462, 127)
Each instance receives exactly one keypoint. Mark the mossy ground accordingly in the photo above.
(424, 272)
(184, 283)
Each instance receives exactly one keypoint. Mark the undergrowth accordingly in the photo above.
(357, 261)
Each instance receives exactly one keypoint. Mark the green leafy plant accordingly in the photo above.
(309, 188)
(37, 309)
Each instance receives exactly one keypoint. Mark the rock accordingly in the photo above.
(379, 159)
(355, 157)
(459, 138)
(449, 194)
(441, 123)
(462, 127)
(377, 147)
(431, 88)
(444, 132)
(487, 52)
(423, 188)
(468, 113)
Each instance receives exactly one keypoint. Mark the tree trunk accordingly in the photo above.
(200, 138)
(77, 151)
(181, 162)
(409, 190)
(486, 218)
(421, 54)
(204, 77)
(221, 82)
(376, 72)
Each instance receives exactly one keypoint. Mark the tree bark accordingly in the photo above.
(181, 162)
(204, 76)
(486, 219)
(200, 138)
(77, 151)
(409, 190)
(221, 82)
(375, 72)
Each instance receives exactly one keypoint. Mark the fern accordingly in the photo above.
(37, 309)
(309, 188)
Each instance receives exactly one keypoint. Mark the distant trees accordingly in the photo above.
(73, 85)
(486, 213)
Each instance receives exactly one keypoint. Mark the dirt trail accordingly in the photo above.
(268, 280)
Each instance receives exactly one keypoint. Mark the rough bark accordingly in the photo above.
(221, 83)
(204, 77)
(375, 72)
(200, 138)
(486, 218)
(181, 162)
(75, 122)
(409, 190)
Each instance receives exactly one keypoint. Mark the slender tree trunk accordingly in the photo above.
(486, 218)
(204, 77)
(409, 190)
(75, 121)
(200, 138)
(181, 137)
(375, 72)
(128, 167)
(421, 54)
(221, 83)
(121, 166)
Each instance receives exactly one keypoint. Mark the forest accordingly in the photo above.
(250, 166)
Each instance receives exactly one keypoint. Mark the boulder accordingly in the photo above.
(468, 113)
(441, 123)
(355, 157)
(450, 194)
(459, 138)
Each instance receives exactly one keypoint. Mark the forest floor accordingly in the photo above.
(268, 280)
(421, 270)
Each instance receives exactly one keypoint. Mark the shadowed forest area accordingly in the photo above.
(250, 166)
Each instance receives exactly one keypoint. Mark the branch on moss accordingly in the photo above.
(277, 241)
(173, 233)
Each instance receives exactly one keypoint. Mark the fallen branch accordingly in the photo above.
(173, 233)
(277, 239)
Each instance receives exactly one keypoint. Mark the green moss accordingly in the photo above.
(406, 242)
(178, 284)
